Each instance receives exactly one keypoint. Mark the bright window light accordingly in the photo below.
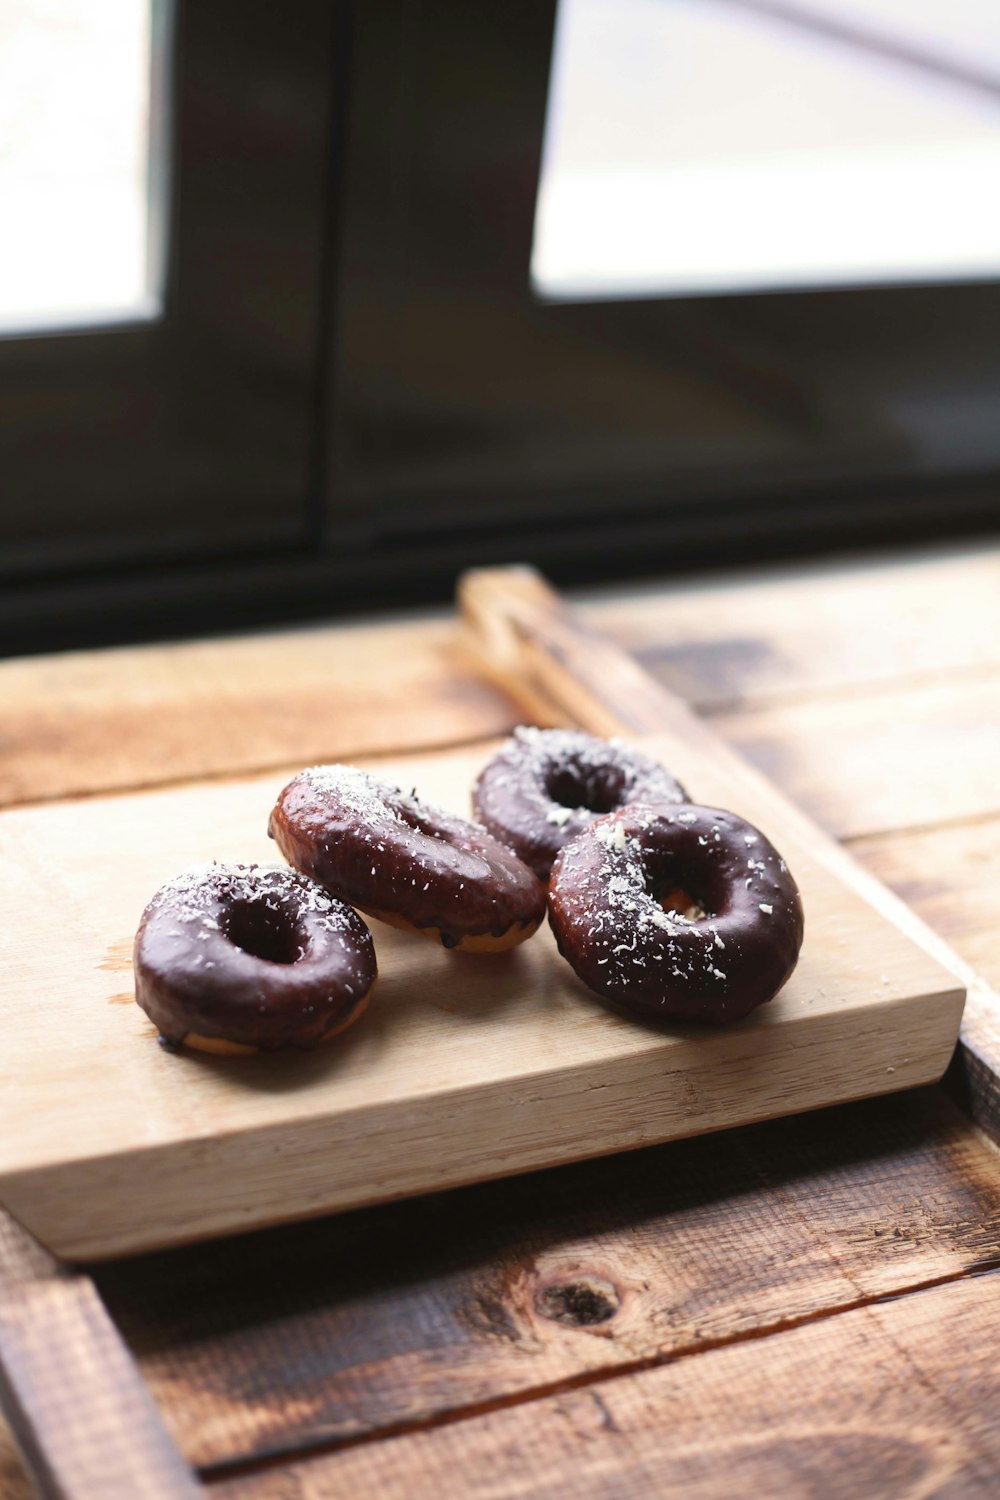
(707, 146)
(75, 241)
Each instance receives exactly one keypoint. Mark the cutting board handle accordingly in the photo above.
(527, 639)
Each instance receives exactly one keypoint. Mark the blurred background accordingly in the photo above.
(309, 307)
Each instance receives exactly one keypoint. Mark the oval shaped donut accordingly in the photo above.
(404, 861)
(683, 913)
(247, 958)
(544, 786)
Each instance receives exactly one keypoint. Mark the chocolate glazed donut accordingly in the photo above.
(544, 786)
(683, 913)
(405, 862)
(233, 958)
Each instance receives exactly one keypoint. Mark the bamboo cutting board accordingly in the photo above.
(464, 1067)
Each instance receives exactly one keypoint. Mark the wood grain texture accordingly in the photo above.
(84, 1422)
(416, 1312)
(100, 721)
(898, 758)
(818, 631)
(115, 1146)
(344, 1328)
(951, 879)
(869, 691)
(897, 1399)
(951, 876)
(15, 1483)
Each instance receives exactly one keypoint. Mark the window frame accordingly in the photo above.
(191, 433)
(456, 419)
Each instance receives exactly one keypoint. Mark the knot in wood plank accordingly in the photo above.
(581, 1303)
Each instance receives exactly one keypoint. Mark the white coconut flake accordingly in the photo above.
(559, 816)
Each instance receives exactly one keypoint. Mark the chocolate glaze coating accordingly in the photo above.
(251, 955)
(544, 786)
(387, 852)
(605, 909)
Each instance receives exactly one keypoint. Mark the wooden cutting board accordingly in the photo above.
(464, 1068)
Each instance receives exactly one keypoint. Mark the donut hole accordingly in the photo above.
(683, 902)
(573, 787)
(683, 887)
(264, 933)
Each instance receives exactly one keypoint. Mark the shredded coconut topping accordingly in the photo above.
(193, 896)
(559, 816)
(372, 803)
(607, 877)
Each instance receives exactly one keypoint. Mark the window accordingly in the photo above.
(370, 367)
(697, 146)
(82, 162)
(159, 408)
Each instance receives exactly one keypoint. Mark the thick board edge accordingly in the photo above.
(973, 1078)
(906, 1042)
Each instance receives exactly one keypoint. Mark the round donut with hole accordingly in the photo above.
(248, 958)
(544, 786)
(677, 913)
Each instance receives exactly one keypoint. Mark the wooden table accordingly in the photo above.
(803, 1307)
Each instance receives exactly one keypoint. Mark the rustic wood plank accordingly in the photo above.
(256, 1379)
(91, 721)
(951, 876)
(113, 1146)
(892, 1399)
(414, 1312)
(84, 1422)
(15, 1483)
(105, 720)
(827, 629)
(895, 759)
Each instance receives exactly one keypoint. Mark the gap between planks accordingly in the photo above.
(282, 768)
(689, 1244)
(214, 1474)
(949, 875)
(883, 764)
(912, 685)
(108, 721)
(963, 822)
(809, 630)
(705, 1430)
